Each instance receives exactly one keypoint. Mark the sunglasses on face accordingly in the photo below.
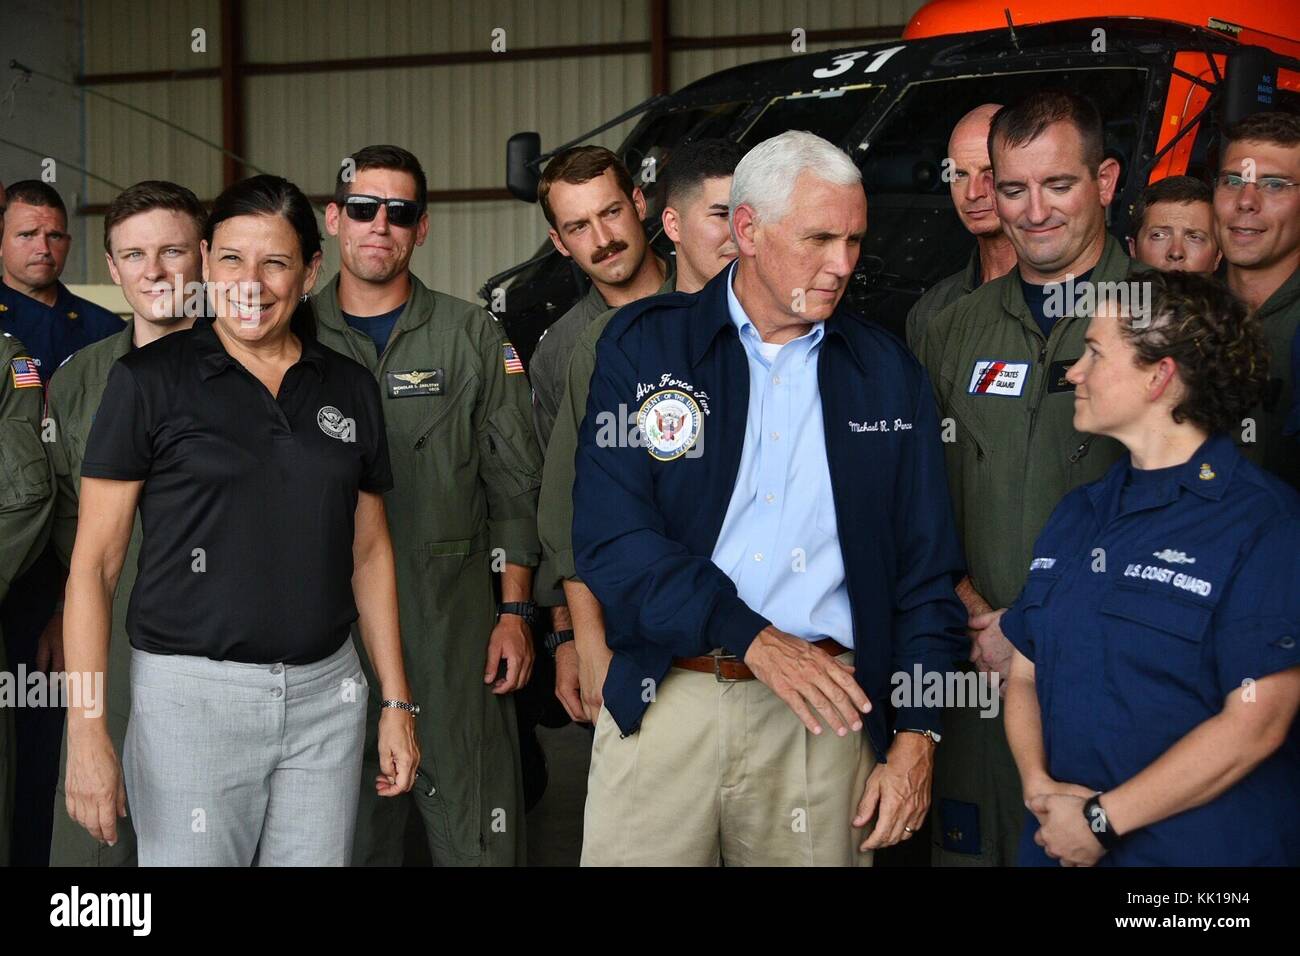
(401, 212)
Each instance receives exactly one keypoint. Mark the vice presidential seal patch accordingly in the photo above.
(670, 421)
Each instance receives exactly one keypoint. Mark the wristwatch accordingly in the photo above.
(412, 709)
(934, 738)
(553, 641)
(525, 609)
(1099, 823)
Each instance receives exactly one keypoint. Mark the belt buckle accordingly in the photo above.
(717, 669)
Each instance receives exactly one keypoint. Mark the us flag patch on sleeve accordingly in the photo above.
(25, 373)
(513, 365)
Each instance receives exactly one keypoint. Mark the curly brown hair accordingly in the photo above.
(1218, 347)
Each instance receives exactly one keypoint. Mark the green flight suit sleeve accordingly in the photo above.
(63, 531)
(555, 510)
(547, 383)
(930, 351)
(510, 463)
(26, 480)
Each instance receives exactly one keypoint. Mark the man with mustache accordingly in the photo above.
(38, 309)
(1257, 218)
(466, 469)
(696, 186)
(997, 359)
(152, 232)
(596, 219)
(26, 498)
(972, 199)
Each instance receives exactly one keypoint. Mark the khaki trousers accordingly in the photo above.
(723, 773)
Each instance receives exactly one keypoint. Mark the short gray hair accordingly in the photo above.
(764, 178)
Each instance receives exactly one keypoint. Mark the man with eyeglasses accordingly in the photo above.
(1257, 218)
(467, 470)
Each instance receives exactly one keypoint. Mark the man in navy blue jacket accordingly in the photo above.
(761, 507)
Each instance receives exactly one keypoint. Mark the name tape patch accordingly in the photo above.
(427, 381)
(1056, 381)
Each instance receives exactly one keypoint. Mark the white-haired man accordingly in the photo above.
(747, 709)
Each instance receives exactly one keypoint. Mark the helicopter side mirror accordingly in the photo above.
(1249, 84)
(522, 175)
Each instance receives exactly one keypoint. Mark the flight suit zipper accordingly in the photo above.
(1040, 394)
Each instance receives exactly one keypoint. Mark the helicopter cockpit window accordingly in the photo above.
(828, 113)
(653, 141)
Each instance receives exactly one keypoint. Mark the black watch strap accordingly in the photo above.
(1099, 823)
(525, 609)
(555, 639)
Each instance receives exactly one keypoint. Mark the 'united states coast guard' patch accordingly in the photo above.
(670, 421)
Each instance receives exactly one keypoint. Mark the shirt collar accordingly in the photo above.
(214, 359)
(1282, 298)
(747, 330)
(711, 313)
(1207, 473)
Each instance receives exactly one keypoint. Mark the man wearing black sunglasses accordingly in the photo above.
(466, 471)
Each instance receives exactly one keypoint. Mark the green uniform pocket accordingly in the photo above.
(23, 465)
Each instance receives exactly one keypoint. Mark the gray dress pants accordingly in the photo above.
(231, 764)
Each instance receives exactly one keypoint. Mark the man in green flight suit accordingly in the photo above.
(152, 232)
(467, 470)
(596, 218)
(26, 501)
(1257, 217)
(997, 359)
(696, 186)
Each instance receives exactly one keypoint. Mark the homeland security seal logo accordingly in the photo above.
(670, 421)
(332, 423)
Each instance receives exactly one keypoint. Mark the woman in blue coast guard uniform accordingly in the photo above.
(1157, 673)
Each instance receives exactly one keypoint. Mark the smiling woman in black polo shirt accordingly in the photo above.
(258, 460)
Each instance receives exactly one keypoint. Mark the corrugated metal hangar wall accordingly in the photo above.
(293, 86)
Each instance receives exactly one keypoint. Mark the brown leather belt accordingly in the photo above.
(727, 668)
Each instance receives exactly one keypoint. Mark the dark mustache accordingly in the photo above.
(604, 252)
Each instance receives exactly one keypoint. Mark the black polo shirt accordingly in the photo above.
(248, 503)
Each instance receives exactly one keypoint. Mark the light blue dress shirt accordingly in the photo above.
(779, 541)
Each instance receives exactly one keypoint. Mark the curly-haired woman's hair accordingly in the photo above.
(1218, 346)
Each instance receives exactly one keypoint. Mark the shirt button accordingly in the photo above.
(1286, 643)
(769, 498)
(776, 436)
(776, 379)
(276, 668)
(276, 691)
(759, 556)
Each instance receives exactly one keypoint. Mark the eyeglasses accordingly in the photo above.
(363, 208)
(1268, 185)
